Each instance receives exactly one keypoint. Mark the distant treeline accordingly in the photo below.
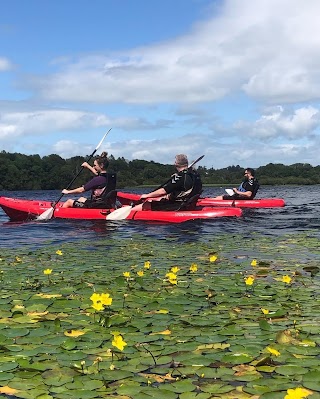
(31, 172)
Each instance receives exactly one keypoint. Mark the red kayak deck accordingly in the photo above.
(21, 210)
(130, 198)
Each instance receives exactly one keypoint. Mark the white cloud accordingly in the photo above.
(5, 64)
(68, 149)
(268, 49)
(280, 122)
(46, 121)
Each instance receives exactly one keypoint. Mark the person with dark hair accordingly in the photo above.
(174, 194)
(247, 189)
(97, 184)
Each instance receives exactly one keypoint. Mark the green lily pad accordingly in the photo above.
(5, 376)
(7, 366)
(288, 370)
(194, 395)
(216, 388)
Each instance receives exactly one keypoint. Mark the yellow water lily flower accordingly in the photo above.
(273, 351)
(140, 273)
(98, 306)
(147, 264)
(118, 342)
(193, 268)
(213, 258)
(126, 274)
(298, 393)
(249, 280)
(18, 259)
(264, 311)
(100, 300)
(95, 297)
(106, 299)
(59, 252)
(286, 279)
(172, 277)
(254, 262)
(175, 269)
(47, 271)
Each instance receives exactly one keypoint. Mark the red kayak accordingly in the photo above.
(21, 210)
(132, 199)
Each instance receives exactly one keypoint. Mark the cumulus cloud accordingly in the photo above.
(69, 148)
(45, 121)
(159, 150)
(280, 122)
(5, 64)
(263, 54)
(267, 49)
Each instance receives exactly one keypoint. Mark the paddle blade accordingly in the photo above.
(119, 214)
(46, 215)
(229, 191)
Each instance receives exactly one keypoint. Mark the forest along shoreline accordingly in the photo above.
(52, 172)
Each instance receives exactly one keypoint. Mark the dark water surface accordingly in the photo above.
(300, 214)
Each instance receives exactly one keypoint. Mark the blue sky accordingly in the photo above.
(236, 80)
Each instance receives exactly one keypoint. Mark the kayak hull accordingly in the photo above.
(130, 198)
(22, 210)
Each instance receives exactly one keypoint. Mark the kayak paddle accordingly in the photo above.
(124, 211)
(47, 215)
(120, 214)
(229, 191)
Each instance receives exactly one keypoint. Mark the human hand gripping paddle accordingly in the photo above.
(123, 212)
(48, 214)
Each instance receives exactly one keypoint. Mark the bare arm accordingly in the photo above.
(77, 190)
(246, 194)
(88, 166)
(157, 193)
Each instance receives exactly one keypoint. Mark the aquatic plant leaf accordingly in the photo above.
(6, 390)
(289, 370)
(216, 388)
(7, 366)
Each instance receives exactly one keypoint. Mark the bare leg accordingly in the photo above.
(68, 203)
(220, 197)
(146, 206)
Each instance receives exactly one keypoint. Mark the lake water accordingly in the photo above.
(300, 214)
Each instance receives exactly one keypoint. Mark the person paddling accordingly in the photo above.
(173, 194)
(97, 185)
(247, 189)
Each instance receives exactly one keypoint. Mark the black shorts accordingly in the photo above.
(79, 204)
(234, 197)
(91, 204)
(165, 205)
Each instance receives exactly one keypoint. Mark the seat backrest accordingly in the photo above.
(110, 184)
(255, 190)
(108, 197)
(191, 202)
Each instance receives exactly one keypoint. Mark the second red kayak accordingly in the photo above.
(132, 199)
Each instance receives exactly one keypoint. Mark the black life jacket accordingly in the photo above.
(195, 189)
